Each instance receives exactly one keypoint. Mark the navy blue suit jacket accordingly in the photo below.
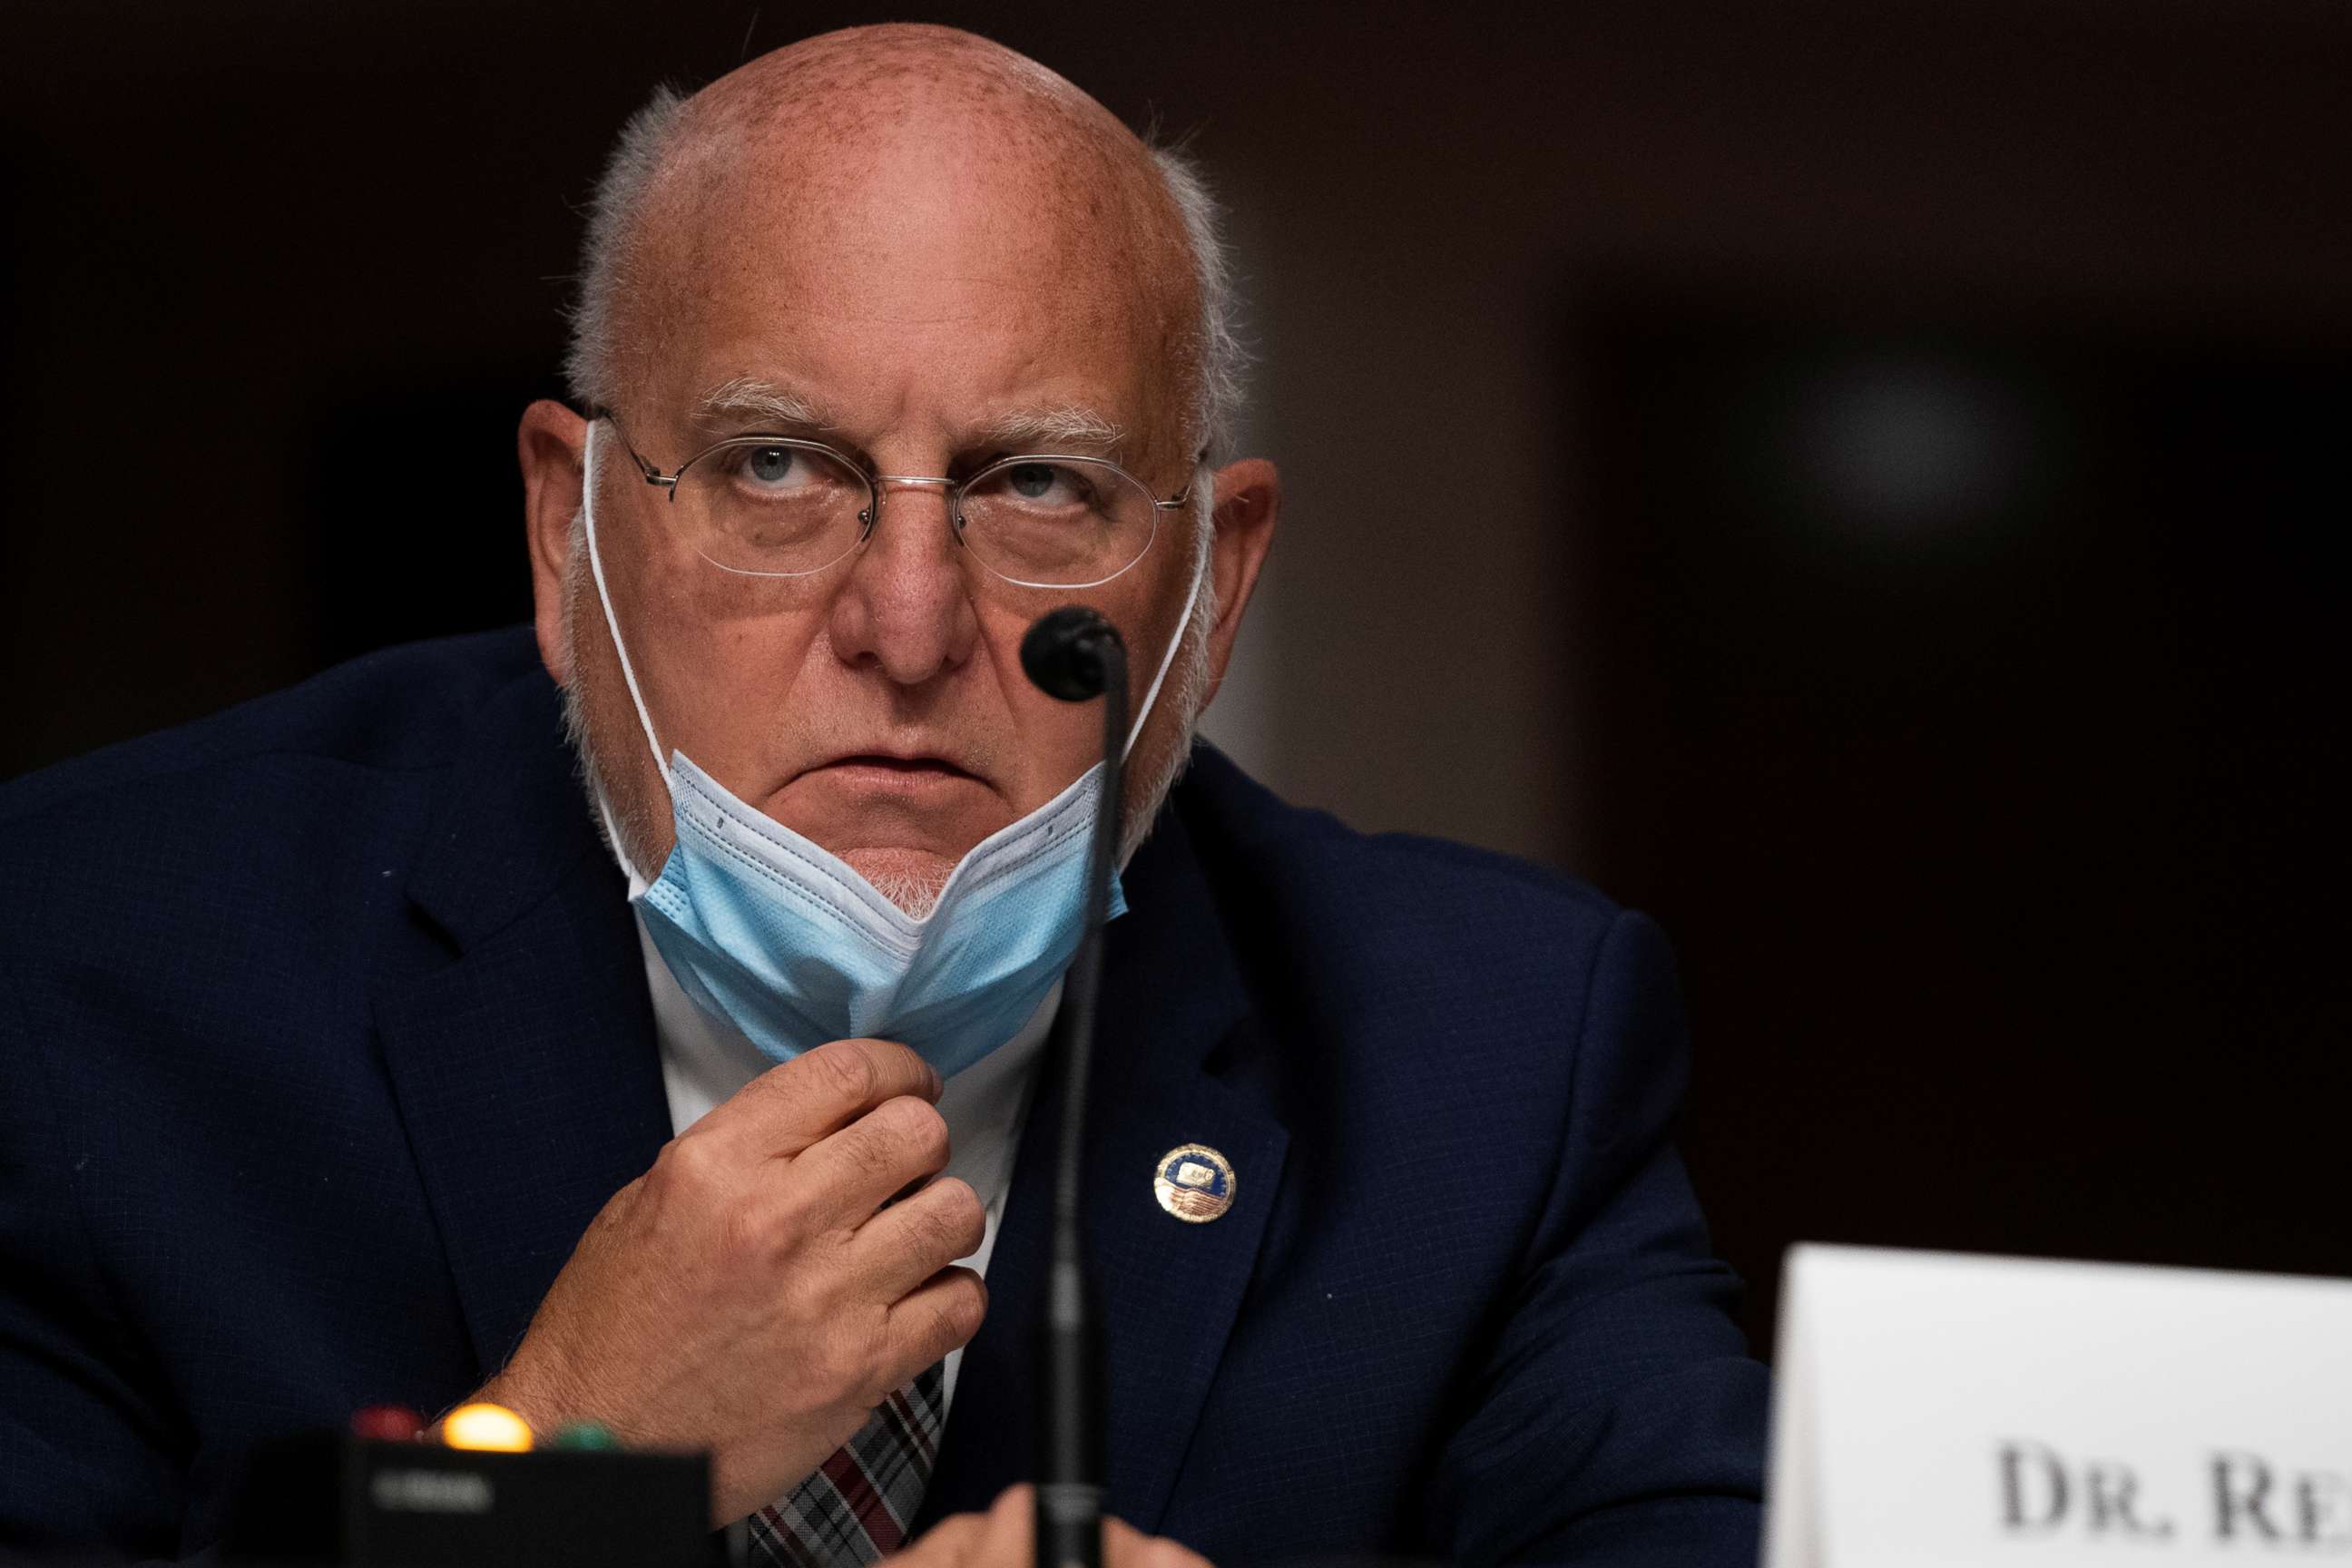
(324, 1033)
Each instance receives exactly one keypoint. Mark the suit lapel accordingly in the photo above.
(1171, 997)
(524, 1062)
(1169, 1289)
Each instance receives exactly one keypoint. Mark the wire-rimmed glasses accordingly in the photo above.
(779, 506)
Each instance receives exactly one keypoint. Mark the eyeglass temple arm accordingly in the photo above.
(1180, 497)
(651, 475)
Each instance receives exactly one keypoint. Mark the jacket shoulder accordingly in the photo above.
(1312, 863)
(399, 710)
(1395, 943)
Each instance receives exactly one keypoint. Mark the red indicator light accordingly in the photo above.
(387, 1424)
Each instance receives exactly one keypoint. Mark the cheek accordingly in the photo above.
(1159, 625)
(1036, 742)
(1004, 622)
(724, 653)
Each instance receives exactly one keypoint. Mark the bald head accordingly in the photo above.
(826, 96)
(962, 169)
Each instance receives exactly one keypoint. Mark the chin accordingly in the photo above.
(911, 878)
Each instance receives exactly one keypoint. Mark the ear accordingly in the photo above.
(1249, 498)
(551, 446)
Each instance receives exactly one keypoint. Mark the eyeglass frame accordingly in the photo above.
(870, 517)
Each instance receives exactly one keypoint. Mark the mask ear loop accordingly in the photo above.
(1168, 659)
(596, 569)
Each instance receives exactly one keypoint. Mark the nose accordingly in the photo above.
(907, 609)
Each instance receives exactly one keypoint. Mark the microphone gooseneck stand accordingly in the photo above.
(1073, 653)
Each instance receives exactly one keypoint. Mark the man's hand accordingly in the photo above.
(744, 1296)
(1001, 1538)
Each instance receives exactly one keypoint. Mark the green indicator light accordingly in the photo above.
(586, 1435)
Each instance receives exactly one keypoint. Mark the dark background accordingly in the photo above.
(1856, 481)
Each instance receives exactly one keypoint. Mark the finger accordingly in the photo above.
(1124, 1546)
(914, 1238)
(947, 1544)
(935, 1318)
(848, 1176)
(817, 1093)
(1012, 1524)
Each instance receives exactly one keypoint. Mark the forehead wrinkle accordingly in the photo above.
(1107, 258)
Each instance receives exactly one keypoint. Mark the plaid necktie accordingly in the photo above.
(855, 1507)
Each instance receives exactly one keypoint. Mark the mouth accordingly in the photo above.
(884, 772)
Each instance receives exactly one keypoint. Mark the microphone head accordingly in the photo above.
(1063, 652)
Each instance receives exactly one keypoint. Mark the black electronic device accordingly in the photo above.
(336, 1500)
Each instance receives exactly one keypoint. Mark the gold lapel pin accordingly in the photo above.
(1194, 1182)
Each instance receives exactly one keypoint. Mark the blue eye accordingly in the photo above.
(1031, 481)
(770, 465)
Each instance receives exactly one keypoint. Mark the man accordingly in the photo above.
(357, 1054)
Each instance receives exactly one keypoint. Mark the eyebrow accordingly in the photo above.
(1060, 424)
(746, 399)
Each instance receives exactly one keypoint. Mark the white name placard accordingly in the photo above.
(1935, 1409)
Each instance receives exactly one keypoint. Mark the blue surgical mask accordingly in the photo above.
(785, 940)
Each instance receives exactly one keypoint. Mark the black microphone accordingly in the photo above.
(1076, 655)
